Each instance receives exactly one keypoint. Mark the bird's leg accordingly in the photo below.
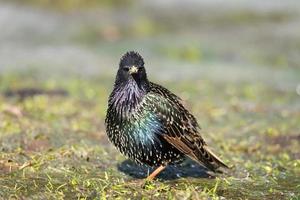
(155, 172)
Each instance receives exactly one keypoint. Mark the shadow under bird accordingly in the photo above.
(149, 124)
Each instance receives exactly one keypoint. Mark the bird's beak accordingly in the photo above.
(133, 69)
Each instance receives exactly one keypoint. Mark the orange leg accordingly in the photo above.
(155, 173)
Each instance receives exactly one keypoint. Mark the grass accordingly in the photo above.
(55, 146)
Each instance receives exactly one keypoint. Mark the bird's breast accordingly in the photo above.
(139, 127)
(139, 136)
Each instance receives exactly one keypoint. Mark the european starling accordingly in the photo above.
(149, 124)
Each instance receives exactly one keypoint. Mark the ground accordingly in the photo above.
(237, 71)
(55, 146)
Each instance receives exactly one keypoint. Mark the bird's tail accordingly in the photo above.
(209, 159)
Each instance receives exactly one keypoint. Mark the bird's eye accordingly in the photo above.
(126, 69)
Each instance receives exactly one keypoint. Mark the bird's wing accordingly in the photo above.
(158, 89)
(180, 129)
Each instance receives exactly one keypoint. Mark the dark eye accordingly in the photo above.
(126, 69)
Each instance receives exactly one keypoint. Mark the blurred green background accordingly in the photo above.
(236, 64)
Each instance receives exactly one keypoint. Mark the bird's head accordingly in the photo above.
(131, 68)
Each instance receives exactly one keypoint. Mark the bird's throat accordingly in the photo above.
(127, 97)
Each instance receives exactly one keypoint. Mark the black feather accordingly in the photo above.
(149, 124)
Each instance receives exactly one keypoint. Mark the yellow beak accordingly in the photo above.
(133, 69)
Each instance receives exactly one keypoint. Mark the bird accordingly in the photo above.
(149, 124)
